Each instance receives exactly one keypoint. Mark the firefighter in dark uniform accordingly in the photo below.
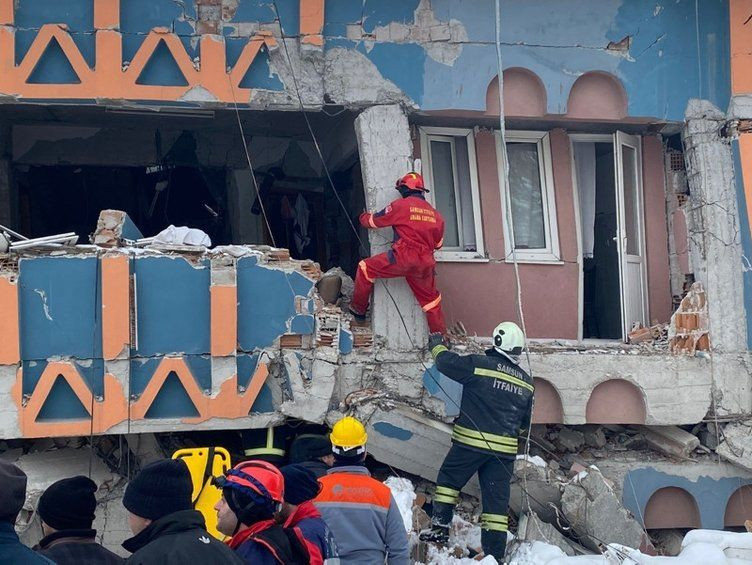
(496, 408)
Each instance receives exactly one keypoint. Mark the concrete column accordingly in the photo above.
(6, 189)
(713, 225)
(385, 153)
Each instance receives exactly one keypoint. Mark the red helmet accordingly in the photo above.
(413, 181)
(259, 479)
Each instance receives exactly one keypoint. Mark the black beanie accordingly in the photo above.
(69, 504)
(12, 491)
(161, 488)
(300, 484)
(308, 447)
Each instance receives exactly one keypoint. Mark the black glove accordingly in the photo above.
(434, 340)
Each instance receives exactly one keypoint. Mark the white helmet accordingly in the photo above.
(508, 339)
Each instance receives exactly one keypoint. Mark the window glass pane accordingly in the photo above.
(525, 196)
(443, 189)
(630, 199)
(466, 194)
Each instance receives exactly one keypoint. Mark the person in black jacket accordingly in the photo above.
(496, 406)
(166, 529)
(66, 509)
(314, 452)
(12, 498)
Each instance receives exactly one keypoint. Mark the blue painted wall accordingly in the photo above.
(164, 288)
(746, 237)
(679, 48)
(445, 389)
(59, 303)
(266, 304)
(676, 52)
(711, 495)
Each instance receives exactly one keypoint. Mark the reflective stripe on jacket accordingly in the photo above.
(497, 399)
(361, 513)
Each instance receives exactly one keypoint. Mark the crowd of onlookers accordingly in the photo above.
(327, 509)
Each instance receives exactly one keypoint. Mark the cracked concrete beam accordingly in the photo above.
(311, 392)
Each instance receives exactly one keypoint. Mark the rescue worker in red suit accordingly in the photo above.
(418, 232)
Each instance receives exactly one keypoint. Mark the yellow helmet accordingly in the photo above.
(348, 434)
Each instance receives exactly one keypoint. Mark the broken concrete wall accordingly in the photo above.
(715, 242)
(45, 464)
(116, 341)
(596, 514)
(677, 209)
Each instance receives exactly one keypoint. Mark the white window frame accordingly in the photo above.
(426, 135)
(551, 253)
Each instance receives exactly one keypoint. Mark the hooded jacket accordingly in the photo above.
(497, 400)
(176, 539)
(317, 535)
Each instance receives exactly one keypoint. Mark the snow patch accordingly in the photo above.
(445, 556)
(700, 547)
(404, 495)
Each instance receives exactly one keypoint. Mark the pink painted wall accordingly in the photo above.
(656, 229)
(483, 294)
(491, 295)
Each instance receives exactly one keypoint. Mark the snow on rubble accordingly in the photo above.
(699, 547)
(404, 495)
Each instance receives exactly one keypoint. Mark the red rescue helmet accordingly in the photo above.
(259, 480)
(413, 181)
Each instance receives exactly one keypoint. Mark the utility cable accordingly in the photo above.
(510, 219)
(391, 297)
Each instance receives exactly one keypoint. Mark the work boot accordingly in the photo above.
(437, 534)
(359, 320)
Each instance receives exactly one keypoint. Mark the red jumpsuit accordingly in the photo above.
(418, 231)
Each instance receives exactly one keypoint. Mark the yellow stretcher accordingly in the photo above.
(205, 463)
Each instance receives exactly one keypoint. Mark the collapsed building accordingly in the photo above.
(271, 131)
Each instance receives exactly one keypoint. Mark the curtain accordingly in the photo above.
(584, 163)
(525, 195)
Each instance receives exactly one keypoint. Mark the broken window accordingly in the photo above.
(451, 176)
(529, 196)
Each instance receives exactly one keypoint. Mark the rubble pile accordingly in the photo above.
(686, 334)
(591, 527)
(688, 331)
(560, 497)
(568, 445)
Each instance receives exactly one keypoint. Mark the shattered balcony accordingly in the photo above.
(98, 340)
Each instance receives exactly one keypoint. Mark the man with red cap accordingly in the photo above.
(252, 494)
(418, 232)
